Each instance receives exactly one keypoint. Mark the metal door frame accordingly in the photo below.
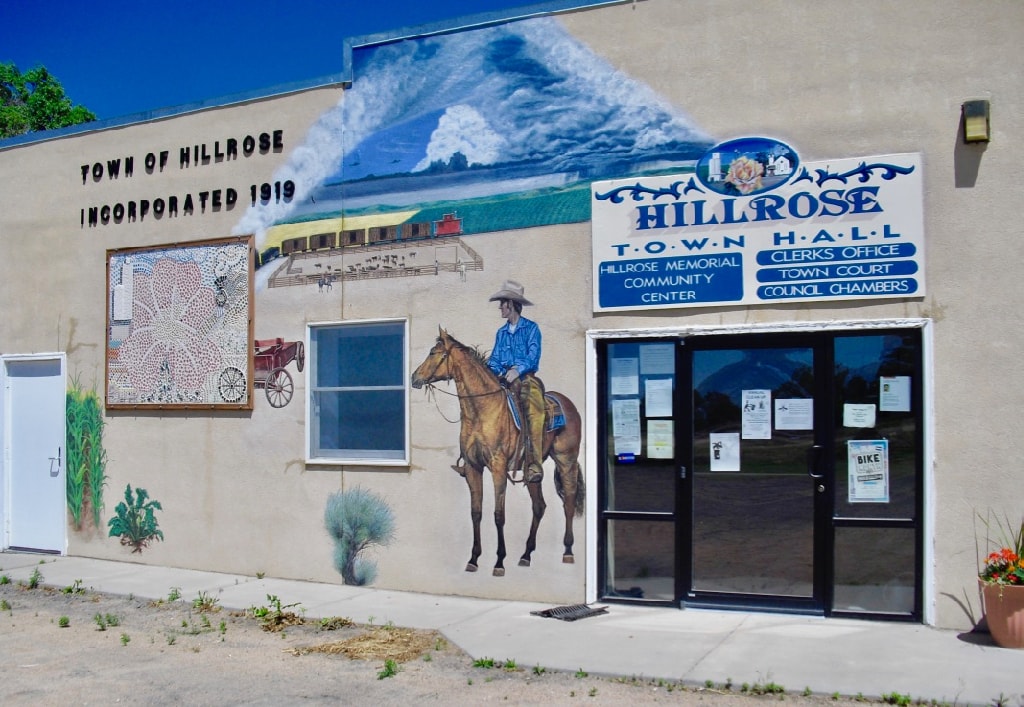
(594, 416)
(817, 602)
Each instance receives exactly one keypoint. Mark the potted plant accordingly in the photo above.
(1002, 587)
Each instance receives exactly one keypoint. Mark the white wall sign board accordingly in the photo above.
(843, 229)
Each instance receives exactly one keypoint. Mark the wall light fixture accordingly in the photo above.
(976, 121)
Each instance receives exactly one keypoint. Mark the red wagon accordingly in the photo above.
(270, 359)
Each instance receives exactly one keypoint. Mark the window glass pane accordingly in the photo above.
(358, 391)
(753, 533)
(753, 506)
(875, 570)
(366, 420)
(860, 363)
(648, 488)
(640, 427)
(359, 355)
(641, 560)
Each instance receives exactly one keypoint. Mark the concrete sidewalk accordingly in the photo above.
(825, 655)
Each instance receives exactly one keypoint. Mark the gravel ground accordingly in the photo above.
(74, 646)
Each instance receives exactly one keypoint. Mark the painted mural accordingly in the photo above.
(86, 460)
(179, 325)
(446, 136)
(438, 139)
(493, 436)
(357, 520)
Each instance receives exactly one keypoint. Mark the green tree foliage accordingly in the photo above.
(35, 100)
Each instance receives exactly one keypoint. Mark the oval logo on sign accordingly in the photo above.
(747, 166)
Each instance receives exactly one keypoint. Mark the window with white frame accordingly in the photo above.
(358, 406)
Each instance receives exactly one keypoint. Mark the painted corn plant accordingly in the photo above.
(135, 520)
(86, 460)
(357, 519)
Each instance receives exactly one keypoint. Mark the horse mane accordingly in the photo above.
(481, 356)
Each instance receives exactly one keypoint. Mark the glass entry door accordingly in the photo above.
(779, 472)
(757, 487)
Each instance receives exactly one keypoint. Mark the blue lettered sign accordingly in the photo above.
(751, 225)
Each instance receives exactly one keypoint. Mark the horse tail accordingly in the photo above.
(581, 491)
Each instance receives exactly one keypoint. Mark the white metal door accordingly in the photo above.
(34, 437)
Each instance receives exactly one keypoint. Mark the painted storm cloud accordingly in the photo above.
(500, 110)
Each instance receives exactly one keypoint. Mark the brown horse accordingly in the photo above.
(489, 438)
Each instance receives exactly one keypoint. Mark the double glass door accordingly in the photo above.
(772, 472)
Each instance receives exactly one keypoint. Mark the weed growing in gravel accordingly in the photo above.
(74, 588)
(895, 698)
(333, 623)
(205, 602)
(35, 579)
(63, 622)
(389, 671)
(4, 579)
(275, 617)
(174, 595)
(5, 605)
(104, 620)
(125, 638)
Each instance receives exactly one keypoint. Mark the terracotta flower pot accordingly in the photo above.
(1004, 611)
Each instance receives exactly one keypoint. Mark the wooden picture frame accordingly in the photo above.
(180, 325)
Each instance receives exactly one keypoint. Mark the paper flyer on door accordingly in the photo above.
(868, 470)
(757, 414)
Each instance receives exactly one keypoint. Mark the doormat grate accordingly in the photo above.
(572, 612)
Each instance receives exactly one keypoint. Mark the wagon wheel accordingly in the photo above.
(231, 384)
(279, 387)
(300, 355)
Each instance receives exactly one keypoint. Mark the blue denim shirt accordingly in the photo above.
(520, 349)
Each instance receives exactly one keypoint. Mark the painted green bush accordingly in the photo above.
(357, 519)
(135, 520)
(86, 461)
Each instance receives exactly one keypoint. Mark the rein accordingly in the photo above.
(432, 389)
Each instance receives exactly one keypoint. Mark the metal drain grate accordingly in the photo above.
(572, 612)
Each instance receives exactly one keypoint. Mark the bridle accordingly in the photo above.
(431, 388)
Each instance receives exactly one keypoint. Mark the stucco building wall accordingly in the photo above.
(832, 80)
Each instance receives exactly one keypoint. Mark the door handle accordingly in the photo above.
(813, 457)
(55, 459)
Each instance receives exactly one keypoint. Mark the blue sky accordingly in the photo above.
(121, 57)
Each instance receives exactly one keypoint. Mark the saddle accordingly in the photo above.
(553, 413)
(554, 416)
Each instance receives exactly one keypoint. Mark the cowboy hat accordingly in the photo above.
(511, 290)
